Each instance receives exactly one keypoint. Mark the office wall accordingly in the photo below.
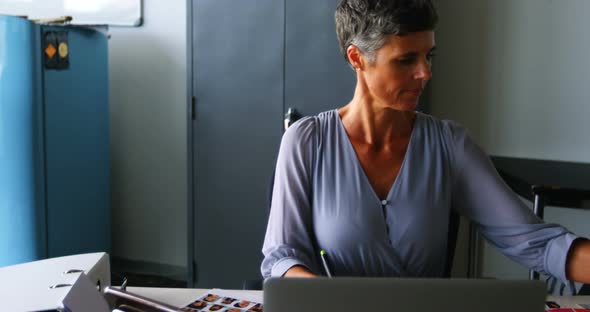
(148, 135)
(515, 74)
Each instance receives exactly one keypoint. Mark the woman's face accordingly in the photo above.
(400, 70)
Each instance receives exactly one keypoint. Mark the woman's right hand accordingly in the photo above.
(299, 271)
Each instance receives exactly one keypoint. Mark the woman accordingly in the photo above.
(374, 182)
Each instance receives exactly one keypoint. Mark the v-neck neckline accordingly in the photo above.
(362, 170)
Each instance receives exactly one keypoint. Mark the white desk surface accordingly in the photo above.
(181, 296)
(569, 301)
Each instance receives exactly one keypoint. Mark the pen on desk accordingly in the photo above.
(324, 257)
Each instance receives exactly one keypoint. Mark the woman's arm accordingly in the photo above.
(289, 236)
(578, 261)
(480, 194)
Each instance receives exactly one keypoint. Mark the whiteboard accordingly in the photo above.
(83, 12)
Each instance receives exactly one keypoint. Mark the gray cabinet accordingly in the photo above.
(317, 78)
(250, 60)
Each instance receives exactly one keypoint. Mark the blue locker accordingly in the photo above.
(54, 141)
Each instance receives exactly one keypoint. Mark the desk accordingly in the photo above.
(546, 182)
(569, 301)
(180, 296)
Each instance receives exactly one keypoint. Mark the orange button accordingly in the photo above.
(50, 51)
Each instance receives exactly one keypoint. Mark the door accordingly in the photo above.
(238, 50)
(317, 77)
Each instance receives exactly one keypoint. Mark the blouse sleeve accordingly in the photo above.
(504, 220)
(288, 240)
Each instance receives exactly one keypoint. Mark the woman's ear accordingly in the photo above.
(355, 57)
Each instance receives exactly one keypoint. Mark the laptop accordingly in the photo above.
(348, 294)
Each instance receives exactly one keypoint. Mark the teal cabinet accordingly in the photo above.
(54, 141)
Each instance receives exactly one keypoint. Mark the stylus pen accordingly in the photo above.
(324, 257)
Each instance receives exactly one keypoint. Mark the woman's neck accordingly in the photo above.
(378, 125)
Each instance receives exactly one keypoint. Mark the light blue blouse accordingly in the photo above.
(322, 199)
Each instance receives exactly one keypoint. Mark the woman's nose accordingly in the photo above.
(423, 70)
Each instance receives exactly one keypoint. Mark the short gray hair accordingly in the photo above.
(367, 23)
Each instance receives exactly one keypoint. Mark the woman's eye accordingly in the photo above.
(407, 60)
(411, 60)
